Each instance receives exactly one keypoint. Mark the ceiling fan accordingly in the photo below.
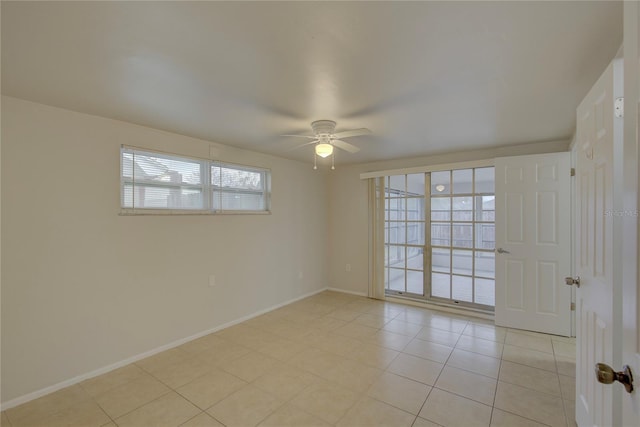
(325, 139)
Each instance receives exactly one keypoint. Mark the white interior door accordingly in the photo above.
(533, 242)
(598, 310)
(630, 225)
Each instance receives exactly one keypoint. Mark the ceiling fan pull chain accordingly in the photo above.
(315, 157)
(333, 160)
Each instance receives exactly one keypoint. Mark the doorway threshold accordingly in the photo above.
(431, 305)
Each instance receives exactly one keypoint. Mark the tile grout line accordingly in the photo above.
(495, 395)
(564, 405)
(197, 415)
(144, 404)
(424, 403)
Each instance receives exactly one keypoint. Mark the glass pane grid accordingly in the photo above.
(462, 227)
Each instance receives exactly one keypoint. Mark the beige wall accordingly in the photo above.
(83, 287)
(348, 207)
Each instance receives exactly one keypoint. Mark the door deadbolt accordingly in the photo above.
(572, 281)
(606, 375)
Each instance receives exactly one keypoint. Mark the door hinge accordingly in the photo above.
(573, 306)
(573, 171)
(618, 108)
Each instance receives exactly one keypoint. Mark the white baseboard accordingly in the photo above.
(344, 291)
(75, 380)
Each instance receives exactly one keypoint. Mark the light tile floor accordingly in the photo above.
(332, 359)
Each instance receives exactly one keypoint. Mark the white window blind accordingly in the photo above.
(238, 188)
(152, 181)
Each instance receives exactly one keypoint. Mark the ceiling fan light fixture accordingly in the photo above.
(324, 150)
(325, 139)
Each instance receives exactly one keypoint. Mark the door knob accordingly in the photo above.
(606, 375)
(502, 251)
(571, 281)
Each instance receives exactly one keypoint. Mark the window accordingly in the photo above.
(440, 235)
(158, 182)
(238, 188)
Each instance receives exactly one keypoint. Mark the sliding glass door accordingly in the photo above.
(439, 236)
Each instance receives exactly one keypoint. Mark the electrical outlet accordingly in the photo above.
(348, 267)
(212, 281)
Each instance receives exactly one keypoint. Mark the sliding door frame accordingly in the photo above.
(427, 247)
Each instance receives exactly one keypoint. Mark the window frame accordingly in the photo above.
(206, 186)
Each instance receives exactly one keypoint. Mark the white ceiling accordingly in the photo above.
(425, 77)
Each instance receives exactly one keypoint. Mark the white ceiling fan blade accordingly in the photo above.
(303, 145)
(353, 132)
(345, 146)
(302, 136)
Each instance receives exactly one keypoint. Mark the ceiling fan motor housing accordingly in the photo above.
(323, 128)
